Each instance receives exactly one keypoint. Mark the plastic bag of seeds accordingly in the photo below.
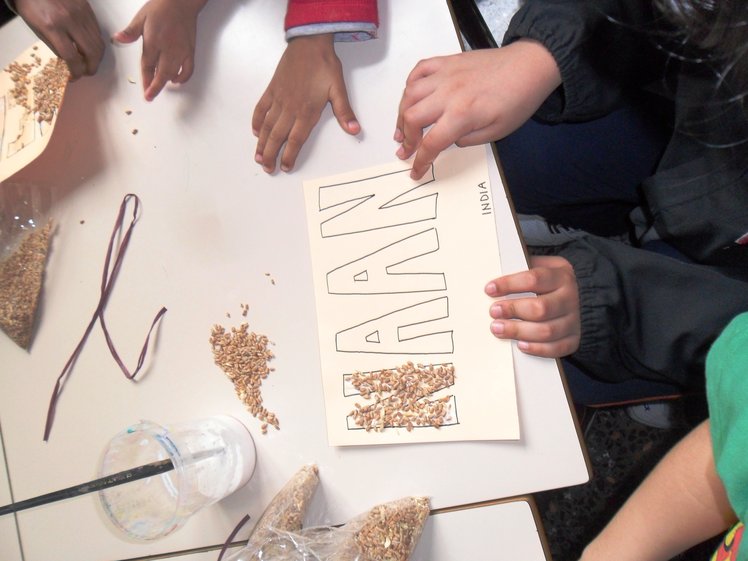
(25, 232)
(287, 509)
(285, 513)
(387, 532)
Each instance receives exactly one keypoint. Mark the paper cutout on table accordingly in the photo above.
(399, 268)
(31, 91)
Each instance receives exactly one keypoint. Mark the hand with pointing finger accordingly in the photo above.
(168, 29)
(471, 98)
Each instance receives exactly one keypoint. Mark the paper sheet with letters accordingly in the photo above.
(399, 269)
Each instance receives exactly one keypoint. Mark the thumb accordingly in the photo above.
(132, 32)
(343, 112)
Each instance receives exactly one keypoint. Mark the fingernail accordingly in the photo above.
(497, 328)
(400, 153)
(258, 158)
(352, 125)
(255, 132)
(523, 345)
(267, 169)
(496, 311)
(490, 288)
(285, 168)
(398, 136)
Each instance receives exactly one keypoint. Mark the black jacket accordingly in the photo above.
(645, 315)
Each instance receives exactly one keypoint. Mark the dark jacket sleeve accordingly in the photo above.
(604, 49)
(646, 315)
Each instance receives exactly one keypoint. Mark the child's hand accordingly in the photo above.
(308, 75)
(168, 28)
(472, 98)
(550, 323)
(69, 28)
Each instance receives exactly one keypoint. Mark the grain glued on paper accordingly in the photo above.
(399, 269)
(31, 92)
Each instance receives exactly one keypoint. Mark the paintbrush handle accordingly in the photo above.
(140, 472)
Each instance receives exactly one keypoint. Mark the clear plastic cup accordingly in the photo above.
(212, 458)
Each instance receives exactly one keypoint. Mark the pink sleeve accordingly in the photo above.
(306, 12)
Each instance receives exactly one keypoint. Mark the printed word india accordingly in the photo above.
(485, 198)
(382, 229)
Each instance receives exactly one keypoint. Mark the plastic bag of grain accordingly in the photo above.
(387, 532)
(25, 232)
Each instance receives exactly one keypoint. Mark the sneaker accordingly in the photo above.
(656, 414)
(537, 231)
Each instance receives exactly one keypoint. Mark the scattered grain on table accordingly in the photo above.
(243, 355)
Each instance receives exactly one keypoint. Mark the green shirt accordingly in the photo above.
(727, 394)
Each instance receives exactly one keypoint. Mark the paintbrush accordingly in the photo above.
(126, 476)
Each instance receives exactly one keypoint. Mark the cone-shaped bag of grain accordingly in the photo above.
(387, 532)
(285, 513)
(25, 235)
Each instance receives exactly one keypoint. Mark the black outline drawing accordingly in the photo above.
(379, 268)
(409, 337)
(26, 137)
(368, 189)
(31, 128)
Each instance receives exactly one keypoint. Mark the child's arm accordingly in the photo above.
(550, 323)
(168, 28)
(680, 504)
(308, 75)
(69, 28)
(472, 98)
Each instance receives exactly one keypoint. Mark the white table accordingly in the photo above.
(478, 534)
(10, 548)
(212, 225)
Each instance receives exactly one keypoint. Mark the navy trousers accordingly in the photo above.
(588, 176)
(585, 175)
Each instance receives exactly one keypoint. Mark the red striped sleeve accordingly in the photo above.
(307, 12)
